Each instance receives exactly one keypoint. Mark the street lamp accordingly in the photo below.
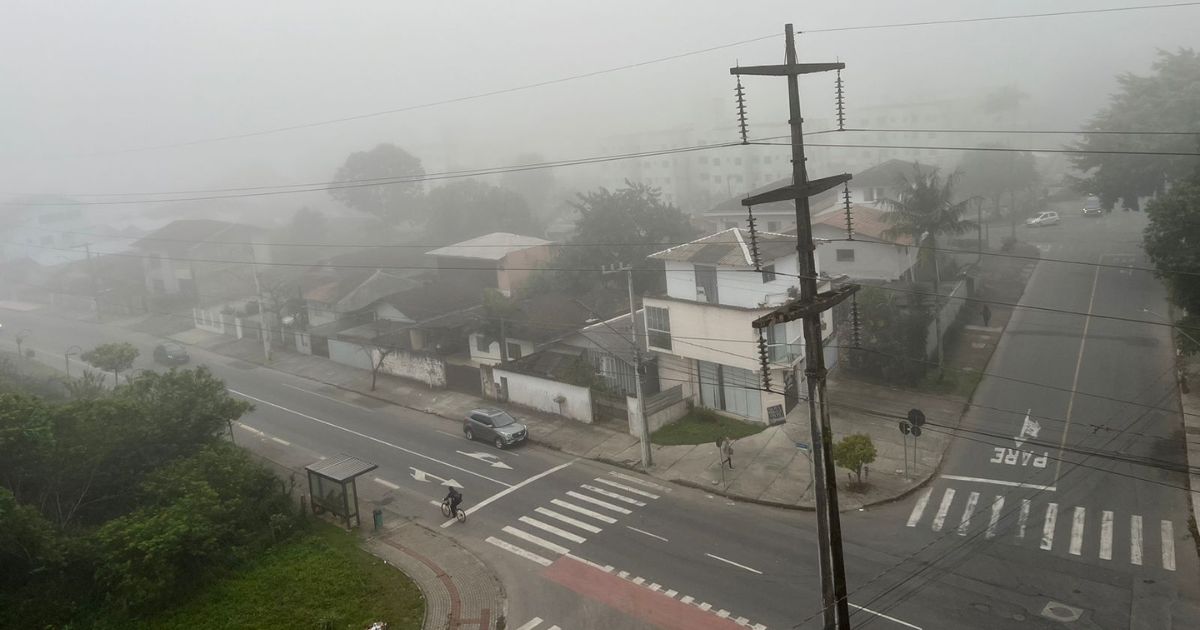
(72, 351)
(21, 339)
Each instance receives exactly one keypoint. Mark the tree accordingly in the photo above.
(1167, 100)
(854, 452)
(1172, 241)
(995, 175)
(621, 226)
(893, 336)
(469, 208)
(111, 357)
(398, 197)
(924, 209)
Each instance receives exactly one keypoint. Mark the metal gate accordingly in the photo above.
(464, 378)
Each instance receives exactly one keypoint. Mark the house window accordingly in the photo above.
(482, 344)
(845, 255)
(731, 389)
(658, 327)
(514, 351)
(706, 284)
(768, 273)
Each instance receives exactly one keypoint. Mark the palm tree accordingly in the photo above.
(925, 208)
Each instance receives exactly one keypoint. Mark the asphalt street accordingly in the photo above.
(580, 544)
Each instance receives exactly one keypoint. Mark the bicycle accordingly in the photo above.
(460, 515)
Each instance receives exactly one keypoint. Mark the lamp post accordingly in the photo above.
(72, 351)
(21, 336)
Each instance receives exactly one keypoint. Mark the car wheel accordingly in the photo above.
(500, 444)
(469, 435)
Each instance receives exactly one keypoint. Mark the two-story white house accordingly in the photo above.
(701, 327)
(870, 255)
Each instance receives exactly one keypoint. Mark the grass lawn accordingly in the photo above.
(702, 426)
(322, 580)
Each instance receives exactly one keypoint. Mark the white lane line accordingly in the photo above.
(283, 442)
(1135, 540)
(511, 548)
(1168, 545)
(939, 519)
(1048, 527)
(642, 531)
(387, 484)
(759, 626)
(537, 540)
(435, 503)
(1077, 531)
(965, 523)
(448, 434)
(687, 599)
(250, 428)
(740, 566)
(612, 495)
(553, 628)
(371, 438)
(1078, 364)
(705, 606)
(582, 510)
(639, 580)
(997, 508)
(724, 614)
(919, 508)
(531, 624)
(1106, 531)
(624, 575)
(879, 614)
(557, 531)
(655, 586)
(1000, 482)
(671, 593)
(640, 482)
(742, 621)
(587, 527)
(621, 486)
(509, 490)
(1023, 519)
(330, 398)
(594, 501)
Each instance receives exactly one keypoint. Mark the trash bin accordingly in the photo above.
(377, 514)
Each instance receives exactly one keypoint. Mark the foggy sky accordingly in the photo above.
(84, 77)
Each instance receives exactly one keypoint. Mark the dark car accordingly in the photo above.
(1091, 207)
(495, 426)
(171, 354)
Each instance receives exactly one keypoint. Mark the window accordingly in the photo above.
(768, 273)
(658, 327)
(514, 351)
(845, 255)
(482, 344)
(706, 284)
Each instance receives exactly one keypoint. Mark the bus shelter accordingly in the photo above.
(332, 488)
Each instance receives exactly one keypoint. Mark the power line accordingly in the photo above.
(994, 149)
(838, 29)
(1028, 131)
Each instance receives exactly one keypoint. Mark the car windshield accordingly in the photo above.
(502, 419)
(170, 347)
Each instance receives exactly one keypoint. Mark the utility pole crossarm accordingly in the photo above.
(799, 309)
(798, 191)
(790, 69)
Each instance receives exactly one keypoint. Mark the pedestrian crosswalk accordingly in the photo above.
(536, 624)
(1004, 520)
(552, 530)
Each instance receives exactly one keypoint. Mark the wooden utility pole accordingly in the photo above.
(265, 329)
(643, 426)
(808, 307)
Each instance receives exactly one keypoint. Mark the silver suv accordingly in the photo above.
(495, 426)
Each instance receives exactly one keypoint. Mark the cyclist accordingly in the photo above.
(454, 497)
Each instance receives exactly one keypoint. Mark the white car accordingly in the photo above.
(1042, 219)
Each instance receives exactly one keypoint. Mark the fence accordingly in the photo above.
(543, 394)
(661, 409)
(949, 312)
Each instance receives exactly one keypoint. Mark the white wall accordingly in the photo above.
(949, 311)
(425, 368)
(348, 353)
(873, 260)
(492, 356)
(711, 333)
(540, 393)
(736, 287)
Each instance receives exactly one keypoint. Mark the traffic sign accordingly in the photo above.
(916, 432)
(916, 417)
(904, 427)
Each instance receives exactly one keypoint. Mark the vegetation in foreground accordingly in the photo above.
(703, 426)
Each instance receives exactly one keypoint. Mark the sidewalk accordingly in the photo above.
(1190, 402)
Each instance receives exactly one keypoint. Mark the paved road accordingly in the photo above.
(582, 545)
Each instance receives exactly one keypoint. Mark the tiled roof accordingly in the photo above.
(492, 246)
(868, 221)
(730, 248)
(183, 234)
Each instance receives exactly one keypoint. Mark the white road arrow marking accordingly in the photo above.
(424, 477)
(488, 459)
(1029, 430)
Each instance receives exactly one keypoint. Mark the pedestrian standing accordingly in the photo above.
(987, 315)
(727, 452)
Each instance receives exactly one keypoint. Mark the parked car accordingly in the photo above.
(495, 426)
(1091, 207)
(1042, 219)
(171, 354)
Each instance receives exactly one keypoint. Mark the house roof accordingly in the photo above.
(432, 299)
(557, 364)
(550, 316)
(888, 173)
(385, 269)
(869, 222)
(730, 248)
(492, 246)
(617, 336)
(734, 205)
(183, 234)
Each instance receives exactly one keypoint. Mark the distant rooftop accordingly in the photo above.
(730, 248)
(492, 246)
(868, 221)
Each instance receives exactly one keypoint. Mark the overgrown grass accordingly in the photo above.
(321, 580)
(702, 426)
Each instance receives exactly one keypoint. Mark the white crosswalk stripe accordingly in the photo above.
(625, 488)
(531, 624)
(965, 523)
(1048, 527)
(612, 495)
(1106, 535)
(511, 548)
(997, 508)
(919, 508)
(940, 518)
(582, 510)
(640, 482)
(1024, 519)
(557, 531)
(567, 519)
(537, 540)
(594, 501)
(1077, 531)
(1168, 546)
(1135, 539)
